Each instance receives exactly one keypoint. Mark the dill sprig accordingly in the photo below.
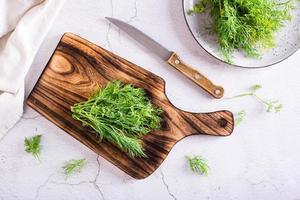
(248, 25)
(271, 105)
(240, 117)
(198, 164)
(73, 166)
(120, 114)
(32, 145)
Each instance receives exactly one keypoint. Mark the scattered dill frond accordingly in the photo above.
(248, 25)
(198, 164)
(271, 105)
(240, 117)
(32, 145)
(73, 166)
(120, 114)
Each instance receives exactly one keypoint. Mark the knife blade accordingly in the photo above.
(170, 57)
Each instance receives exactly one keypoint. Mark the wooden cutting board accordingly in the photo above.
(77, 66)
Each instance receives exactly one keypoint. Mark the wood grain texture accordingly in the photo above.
(77, 67)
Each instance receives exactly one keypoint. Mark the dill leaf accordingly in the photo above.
(198, 164)
(32, 145)
(121, 114)
(73, 166)
(247, 25)
(255, 87)
(273, 106)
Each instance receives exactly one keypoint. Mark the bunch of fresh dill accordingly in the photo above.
(120, 114)
(248, 25)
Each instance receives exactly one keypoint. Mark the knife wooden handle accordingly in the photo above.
(198, 78)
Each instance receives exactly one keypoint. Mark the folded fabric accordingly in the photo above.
(12, 11)
(11, 109)
(23, 27)
(23, 43)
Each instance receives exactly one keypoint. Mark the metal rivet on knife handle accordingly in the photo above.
(196, 76)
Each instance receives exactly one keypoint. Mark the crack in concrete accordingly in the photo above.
(30, 118)
(276, 188)
(3, 137)
(93, 182)
(42, 186)
(109, 25)
(133, 17)
(258, 183)
(83, 182)
(166, 185)
(96, 178)
(135, 13)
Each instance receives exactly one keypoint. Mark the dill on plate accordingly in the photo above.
(247, 25)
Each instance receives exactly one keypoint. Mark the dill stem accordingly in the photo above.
(260, 99)
(242, 95)
(38, 158)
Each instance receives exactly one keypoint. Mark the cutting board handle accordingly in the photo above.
(219, 123)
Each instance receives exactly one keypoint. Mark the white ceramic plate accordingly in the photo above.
(287, 39)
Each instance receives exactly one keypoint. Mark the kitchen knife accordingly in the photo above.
(170, 57)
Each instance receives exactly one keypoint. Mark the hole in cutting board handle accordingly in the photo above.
(222, 122)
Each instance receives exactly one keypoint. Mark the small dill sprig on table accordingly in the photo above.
(240, 117)
(198, 164)
(248, 25)
(33, 146)
(121, 114)
(271, 105)
(73, 166)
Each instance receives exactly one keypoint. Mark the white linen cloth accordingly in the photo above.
(23, 27)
